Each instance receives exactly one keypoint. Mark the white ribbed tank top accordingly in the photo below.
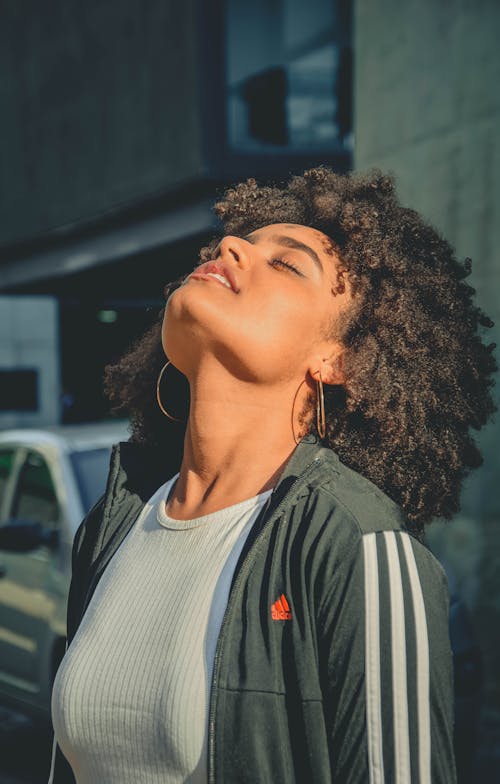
(130, 699)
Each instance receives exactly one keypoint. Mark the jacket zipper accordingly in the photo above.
(235, 584)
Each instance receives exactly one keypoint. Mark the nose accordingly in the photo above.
(234, 248)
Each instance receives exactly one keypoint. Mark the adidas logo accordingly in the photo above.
(280, 610)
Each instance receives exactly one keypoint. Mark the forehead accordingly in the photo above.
(313, 237)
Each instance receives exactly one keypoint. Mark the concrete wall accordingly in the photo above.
(427, 108)
(29, 338)
(99, 107)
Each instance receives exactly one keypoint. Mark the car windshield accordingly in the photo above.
(91, 468)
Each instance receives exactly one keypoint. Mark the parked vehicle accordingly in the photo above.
(49, 479)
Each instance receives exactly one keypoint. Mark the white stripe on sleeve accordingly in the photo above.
(399, 677)
(372, 661)
(423, 707)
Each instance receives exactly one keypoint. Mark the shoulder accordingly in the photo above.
(357, 527)
(342, 507)
(369, 509)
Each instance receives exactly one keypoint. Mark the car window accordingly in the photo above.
(35, 498)
(6, 463)
(91, 467)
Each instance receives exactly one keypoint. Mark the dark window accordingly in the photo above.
(35, 499)
(18, 390)
(265, 98)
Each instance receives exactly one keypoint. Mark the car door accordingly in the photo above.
(26, 605)
(9, 460)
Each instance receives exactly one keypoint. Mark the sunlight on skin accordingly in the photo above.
(250, 354)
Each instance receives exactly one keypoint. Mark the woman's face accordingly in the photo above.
(264, 307)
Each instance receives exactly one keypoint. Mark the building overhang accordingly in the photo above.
(109, 246)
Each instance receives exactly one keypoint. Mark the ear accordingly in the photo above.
(331, 367)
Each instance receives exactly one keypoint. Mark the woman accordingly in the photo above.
(256, 605)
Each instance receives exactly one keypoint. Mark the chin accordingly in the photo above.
(184, 332)
(185, 305)
(193, 309)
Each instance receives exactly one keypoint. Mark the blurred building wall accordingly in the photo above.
(99, 108)
(427, 108)
(29, 357)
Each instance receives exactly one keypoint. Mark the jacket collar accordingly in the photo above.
(140, 468)
(137, 470)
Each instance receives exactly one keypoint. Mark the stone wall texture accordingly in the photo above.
(427, 108)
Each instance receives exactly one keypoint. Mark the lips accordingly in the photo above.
(217, 268)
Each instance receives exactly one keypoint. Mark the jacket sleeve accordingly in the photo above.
(387, 663)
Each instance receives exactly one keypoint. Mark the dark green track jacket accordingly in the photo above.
(333, 662)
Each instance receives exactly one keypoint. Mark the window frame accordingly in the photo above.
(11, 484)
(24, 453)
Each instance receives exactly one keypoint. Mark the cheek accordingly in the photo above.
(282, 326)
(293, 315)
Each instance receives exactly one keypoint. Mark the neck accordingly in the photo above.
(238, 439)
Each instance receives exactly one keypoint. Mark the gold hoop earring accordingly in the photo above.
(164, 410)
(293, 409)
(320, 407)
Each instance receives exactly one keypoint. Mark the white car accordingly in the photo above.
(49, 479)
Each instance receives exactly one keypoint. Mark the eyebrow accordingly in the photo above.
(290, 242)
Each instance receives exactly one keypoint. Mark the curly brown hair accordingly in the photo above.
(418, 376)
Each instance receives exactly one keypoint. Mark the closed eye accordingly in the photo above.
(281, 263)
